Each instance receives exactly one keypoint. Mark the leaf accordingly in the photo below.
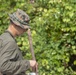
(75, 62)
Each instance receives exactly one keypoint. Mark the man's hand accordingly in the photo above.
(33, 65)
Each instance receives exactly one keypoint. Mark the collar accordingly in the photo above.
(9, 33)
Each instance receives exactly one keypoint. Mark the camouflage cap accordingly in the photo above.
(20, 18)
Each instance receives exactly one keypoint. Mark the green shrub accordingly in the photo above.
(53, 30)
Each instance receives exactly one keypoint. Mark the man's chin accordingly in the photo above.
(19, 34)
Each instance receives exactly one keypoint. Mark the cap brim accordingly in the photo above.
(18, 24)
(26, 27)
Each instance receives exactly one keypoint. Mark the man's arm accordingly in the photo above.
(12, 67)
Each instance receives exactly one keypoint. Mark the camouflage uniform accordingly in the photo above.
(11, 61)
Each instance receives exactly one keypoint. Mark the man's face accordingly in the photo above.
(20, 30)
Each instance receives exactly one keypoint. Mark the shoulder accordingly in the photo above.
(11, 45)
(7, 38)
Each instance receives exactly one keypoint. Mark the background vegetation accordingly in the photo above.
(53, 27)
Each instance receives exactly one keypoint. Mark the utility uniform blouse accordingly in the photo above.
(11, 60)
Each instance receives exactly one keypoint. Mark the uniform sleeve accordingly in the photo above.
(12, 67)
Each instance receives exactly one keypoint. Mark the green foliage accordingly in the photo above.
(53, 30)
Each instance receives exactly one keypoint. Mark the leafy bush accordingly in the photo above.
(53, 30)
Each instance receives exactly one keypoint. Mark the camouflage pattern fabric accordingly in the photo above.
(20, 18)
